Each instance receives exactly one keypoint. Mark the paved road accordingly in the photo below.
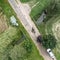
(28, 24)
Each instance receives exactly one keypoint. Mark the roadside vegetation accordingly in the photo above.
(24, 1)
(50, 24)
(49, 41)
(51, 27)
(41, 4)
(15, 42)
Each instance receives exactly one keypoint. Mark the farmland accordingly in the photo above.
(10, 49)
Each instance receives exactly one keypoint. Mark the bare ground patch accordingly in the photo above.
(3, 22)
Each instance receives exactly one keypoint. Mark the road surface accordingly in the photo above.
(28, 24)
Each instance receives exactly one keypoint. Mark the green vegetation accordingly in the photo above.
(28, 46)
(49, 41)
(50, 29)
(50, 25)
(41, 4)
(7, 10)
(7, 36)
(19, 53)
(24, 1)
(10, 49)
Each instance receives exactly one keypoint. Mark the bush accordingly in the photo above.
(49, 41)
(28, 46)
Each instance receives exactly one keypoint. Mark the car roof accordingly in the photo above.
(48, 49)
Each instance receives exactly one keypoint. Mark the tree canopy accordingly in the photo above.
(49, 41)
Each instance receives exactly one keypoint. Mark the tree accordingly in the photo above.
(50, 10)
(49, 41)
(9, 58)
(28, 46)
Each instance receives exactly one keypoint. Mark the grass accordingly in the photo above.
(18, 50)
(41, 4)
(7, 10)
(23, 1)
(7, 37)
(11, 34)
(47, 29)
(41, 28)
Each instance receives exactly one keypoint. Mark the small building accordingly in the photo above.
(13, 20)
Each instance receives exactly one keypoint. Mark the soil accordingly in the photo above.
(3, 22)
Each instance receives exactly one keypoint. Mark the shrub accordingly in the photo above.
(28, 46)
(49, 41)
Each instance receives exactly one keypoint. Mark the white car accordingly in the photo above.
(50, 53)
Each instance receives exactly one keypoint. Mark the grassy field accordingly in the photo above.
(41, 4)
(12, 34)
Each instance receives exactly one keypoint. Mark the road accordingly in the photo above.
(28, 24)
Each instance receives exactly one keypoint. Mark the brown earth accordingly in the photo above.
(3, 22)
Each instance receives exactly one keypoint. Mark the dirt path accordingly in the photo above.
(28, 24)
